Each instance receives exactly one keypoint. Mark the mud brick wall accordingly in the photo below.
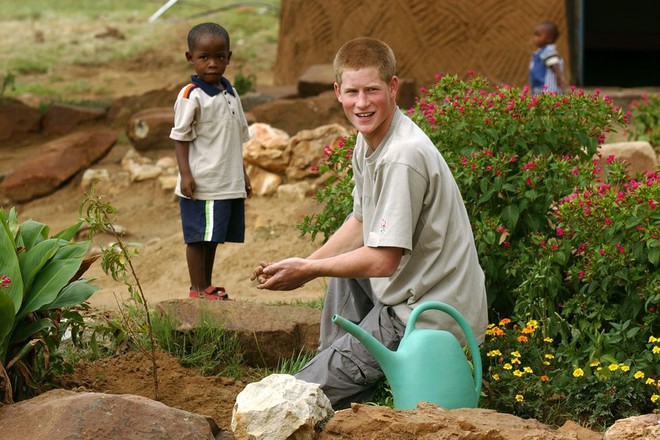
(491, 37)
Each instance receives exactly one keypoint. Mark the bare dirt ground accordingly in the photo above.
(151, 218)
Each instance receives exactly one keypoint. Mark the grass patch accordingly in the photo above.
(209, 347)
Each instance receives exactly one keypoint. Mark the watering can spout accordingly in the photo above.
(382, 354)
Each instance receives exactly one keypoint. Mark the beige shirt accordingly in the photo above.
(406, 197)
(216, 128)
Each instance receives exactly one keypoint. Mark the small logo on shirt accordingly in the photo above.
(382, 225)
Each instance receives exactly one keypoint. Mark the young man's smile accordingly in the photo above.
(368, 101)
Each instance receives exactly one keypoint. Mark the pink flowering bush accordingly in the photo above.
(599, 270)
(513, 155)
(336, 194)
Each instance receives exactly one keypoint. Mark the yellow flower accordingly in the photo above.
(655, 349)
(515, 361)
(594, 363)
(494, 353)
(516, 354)
(625, 368)
(655, 398)
(491, 325)
(520, 397)
(653, 339)
(548, 340)
(639, 375)
(532, 324)
(613, 367)
(528, 370)
(549, 356)
(507, 366)
(650, 381)
(546, 363)
(496, 376)
(517, 373)
(578, 372)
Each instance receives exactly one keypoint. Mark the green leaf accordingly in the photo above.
(25, 332)
(654, 255)
(69, 233)
(35, 259)
(510, 216)
(31, 233)
(7, 315)
(73, 294)
(48, 283)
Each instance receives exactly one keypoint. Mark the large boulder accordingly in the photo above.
(18, 120)
(645, 427)
(61, 414)
(55, 163)
(272, 334)
(62, 119)
(294, 115)
(639, 156)
(150, 129)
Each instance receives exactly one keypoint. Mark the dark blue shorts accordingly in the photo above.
(215, 221)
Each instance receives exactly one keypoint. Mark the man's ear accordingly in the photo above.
(394, 85)
(189, 57)
(338, 92)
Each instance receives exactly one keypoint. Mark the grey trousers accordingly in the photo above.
(345, 369)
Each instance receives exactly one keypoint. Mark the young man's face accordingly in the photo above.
(210, 58)
(368, 101)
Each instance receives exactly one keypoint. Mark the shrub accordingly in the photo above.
(512, 154)
(42, 284)
(598, 269)
(525, 376)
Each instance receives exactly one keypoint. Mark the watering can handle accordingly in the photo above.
(472, 342)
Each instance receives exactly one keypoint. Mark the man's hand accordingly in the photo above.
(188, 186)
(287, 274)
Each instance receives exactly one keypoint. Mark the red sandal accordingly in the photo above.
(211, 293)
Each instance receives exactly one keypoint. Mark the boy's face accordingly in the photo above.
(368, 101)
(210, 58)
(542, 36)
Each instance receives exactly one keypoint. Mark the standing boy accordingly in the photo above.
(209, 131)
(408, 241)
(546, 70)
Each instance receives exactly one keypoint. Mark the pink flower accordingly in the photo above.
(313, 168)
(581, 274)
(620, 248)
(608, 221)
(560, 232)
(652, 204)
(610, 158)
(601, 251)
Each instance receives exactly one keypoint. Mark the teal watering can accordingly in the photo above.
(429, 365)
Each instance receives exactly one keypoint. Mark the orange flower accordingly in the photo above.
(522, 338)
(544, 378)
(505, 321)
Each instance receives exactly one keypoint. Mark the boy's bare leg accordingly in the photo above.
(195, 256)
(209, 259)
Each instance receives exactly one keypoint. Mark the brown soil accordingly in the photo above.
(151, 218)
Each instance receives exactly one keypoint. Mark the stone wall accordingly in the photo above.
(491, 37)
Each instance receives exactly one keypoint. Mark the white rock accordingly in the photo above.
(279, 407)
(90, 176)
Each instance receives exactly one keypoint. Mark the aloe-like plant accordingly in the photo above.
(43, 283)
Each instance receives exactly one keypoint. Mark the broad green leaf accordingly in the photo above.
(68, 251)
(35, 259)
(73, 294)
(654, 255)
(509, 216)
(7, 315)
(31, 233)
(48, 283)
(69, 233)
(25, 332)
